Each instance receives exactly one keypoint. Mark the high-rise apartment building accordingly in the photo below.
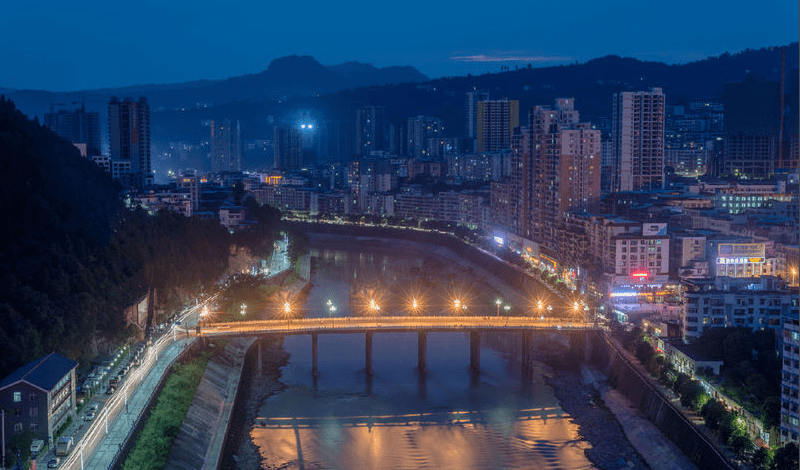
(288, 148)
(752, 124)
(226, 146)
(129, 138)
(790, 384)
(496, 121)
(637, 134)
(560, 170)
(77, 126)
(335, 141)
(420, 129)
(471, 101)
(370, 130)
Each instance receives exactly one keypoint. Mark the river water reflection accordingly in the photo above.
(398, 418)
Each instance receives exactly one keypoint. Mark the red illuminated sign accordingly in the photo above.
(640, 274)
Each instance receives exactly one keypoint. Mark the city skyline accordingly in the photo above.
(178, 44)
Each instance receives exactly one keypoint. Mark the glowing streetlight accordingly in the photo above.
(243, 310)
(331, 309)
(794, 273)
(203, 314)
(498, 302)
(287, 308)
(456, 304)
(373, 305)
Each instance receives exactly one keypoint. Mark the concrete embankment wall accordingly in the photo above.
(204, 430)
(625, 377)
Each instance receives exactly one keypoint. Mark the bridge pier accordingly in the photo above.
(422, 351)
(527, 362)
(475, 351)
(314, 354)
(259, 357)
(368, 352)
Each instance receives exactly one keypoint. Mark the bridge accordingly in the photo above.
(420, 324)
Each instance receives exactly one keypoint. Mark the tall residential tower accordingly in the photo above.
(497, 120)
(637, 134)
(226, 146)
(129, 137)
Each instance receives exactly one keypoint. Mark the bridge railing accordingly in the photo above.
(411, 323)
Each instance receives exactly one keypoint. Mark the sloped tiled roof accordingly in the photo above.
(44, 372)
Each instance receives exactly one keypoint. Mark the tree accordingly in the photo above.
(679, 381)
(692, 394)
(737, 347)
(740, 442)
(786, 458)
(771, 411)
(730, 425)
(762, 458)
(713, 412)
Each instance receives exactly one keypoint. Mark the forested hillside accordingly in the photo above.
(72, 258)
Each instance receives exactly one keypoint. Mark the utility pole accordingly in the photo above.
(3, 432)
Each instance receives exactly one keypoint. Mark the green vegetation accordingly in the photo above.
(253, 291)
(153, 445)
(63, 427)
(786, 458)
(736, 346)
(753, 381)
(18, 443)
(72, 258)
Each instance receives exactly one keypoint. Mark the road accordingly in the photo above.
(96, 447)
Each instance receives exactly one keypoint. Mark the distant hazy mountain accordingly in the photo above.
(285, 78)
(300, 83)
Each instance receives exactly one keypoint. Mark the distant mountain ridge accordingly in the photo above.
(590, 83)
(284, 78)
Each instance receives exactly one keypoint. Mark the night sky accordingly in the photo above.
(58, 45)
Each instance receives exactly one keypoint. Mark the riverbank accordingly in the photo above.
(597, 424)
(239, 451)
(203, 431)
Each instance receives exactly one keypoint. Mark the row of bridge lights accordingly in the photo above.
(416, 306)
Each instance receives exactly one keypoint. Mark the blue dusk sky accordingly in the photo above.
(84, 44)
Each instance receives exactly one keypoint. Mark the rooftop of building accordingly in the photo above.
(692, 351)
(44, 372)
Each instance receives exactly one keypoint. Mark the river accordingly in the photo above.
(448, 417)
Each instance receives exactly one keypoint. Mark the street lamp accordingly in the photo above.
(244, 309)
(414, 305)
(794, 273)
(203, 315)
(498, 302)
(331, 309)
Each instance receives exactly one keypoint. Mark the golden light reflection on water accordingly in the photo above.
(535, 438)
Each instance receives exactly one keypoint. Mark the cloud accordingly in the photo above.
(509, 58)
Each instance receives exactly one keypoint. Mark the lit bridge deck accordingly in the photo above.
(422, 325)
(387, 324)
